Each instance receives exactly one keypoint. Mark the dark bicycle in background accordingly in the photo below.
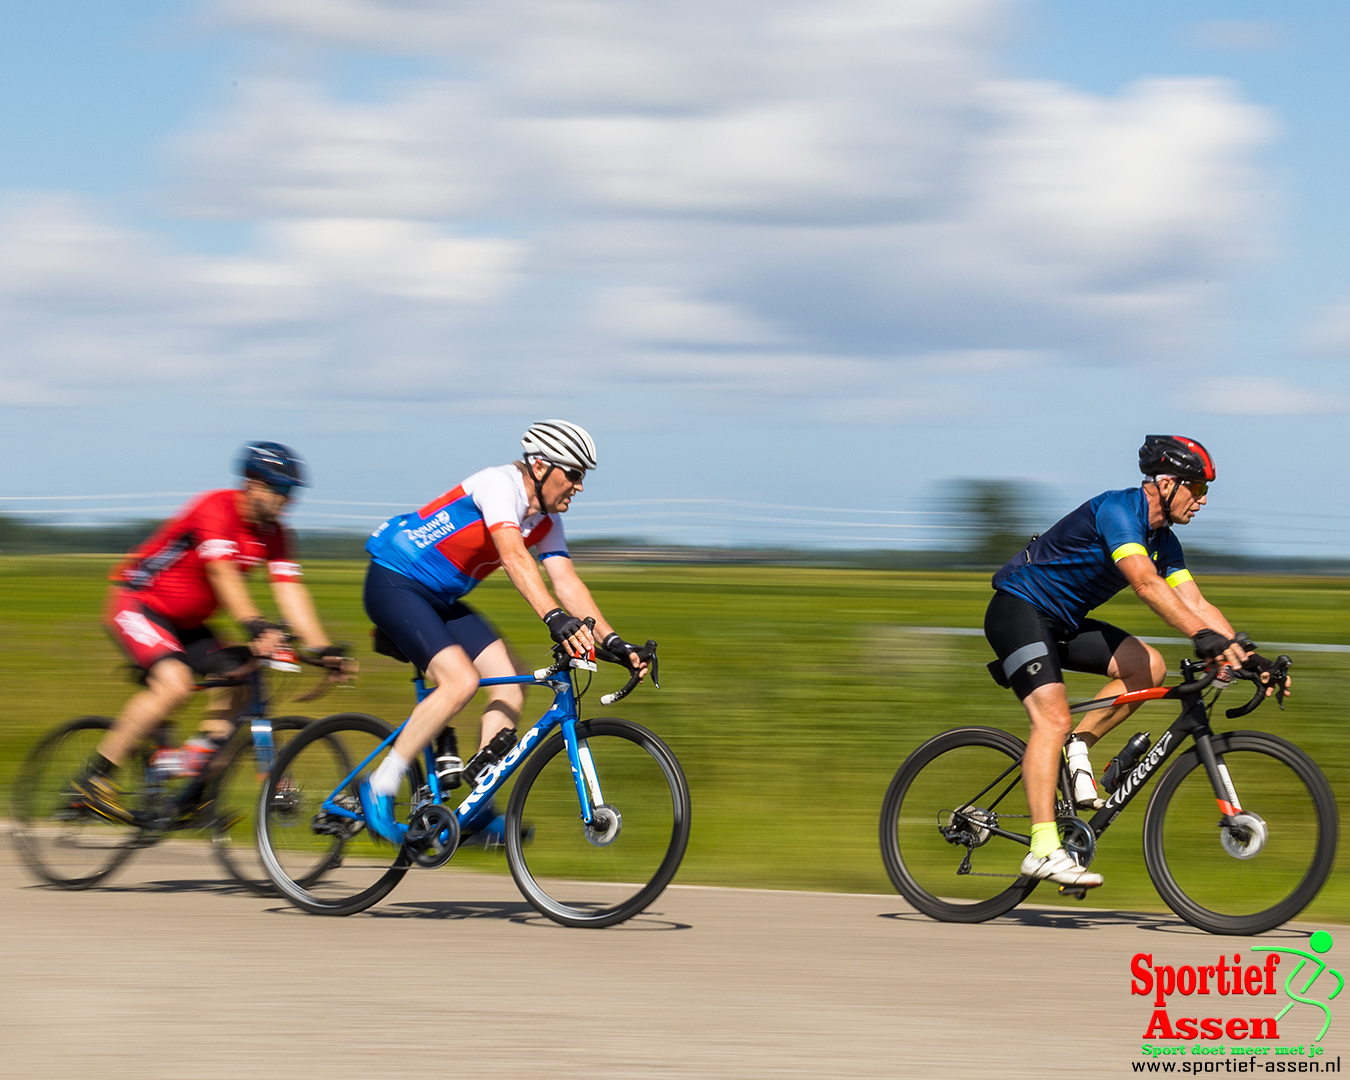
(1239, 834)
(69, 845)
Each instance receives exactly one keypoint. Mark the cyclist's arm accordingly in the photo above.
(1181, 606)
(297, 608)
(227, 582)
(577, 599)
(524, 573)
(1188, 592)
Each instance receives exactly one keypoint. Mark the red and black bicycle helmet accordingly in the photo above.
(1175, 455)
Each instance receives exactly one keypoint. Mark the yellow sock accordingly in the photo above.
(1044, 838)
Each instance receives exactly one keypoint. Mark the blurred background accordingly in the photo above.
(874, 288)
(792, 263)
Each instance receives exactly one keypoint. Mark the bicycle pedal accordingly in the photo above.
(1078, 892)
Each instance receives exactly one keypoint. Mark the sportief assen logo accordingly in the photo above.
(1241, 993)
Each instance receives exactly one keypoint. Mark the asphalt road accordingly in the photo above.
(167, 972)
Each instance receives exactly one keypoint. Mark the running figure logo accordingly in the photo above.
(1320, 943)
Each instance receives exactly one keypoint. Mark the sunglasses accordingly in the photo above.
(284, 490)
(1198, 488)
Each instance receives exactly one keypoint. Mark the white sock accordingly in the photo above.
(386, 778)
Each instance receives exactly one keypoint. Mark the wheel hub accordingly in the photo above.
(1244, 836)
(966, 826)
(605, 825)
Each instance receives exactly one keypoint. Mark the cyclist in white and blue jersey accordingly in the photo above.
(1037, 624)
(424, 562)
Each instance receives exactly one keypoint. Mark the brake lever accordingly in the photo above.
(1282, 664)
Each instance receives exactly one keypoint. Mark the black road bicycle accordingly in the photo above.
(953, 818)
(66, 844)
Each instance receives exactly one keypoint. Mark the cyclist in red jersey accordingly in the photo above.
(166, 589)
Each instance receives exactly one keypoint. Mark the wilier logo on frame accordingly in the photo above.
(1255, 982)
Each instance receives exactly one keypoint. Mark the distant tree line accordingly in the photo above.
(995, 520)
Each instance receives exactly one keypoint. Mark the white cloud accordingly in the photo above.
(1267, 397)
(776, 198)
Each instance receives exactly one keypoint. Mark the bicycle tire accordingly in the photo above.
(70, 848)
(918, 859)
(234, 804)
(1288, 871)
(297, 856)
(573, 879)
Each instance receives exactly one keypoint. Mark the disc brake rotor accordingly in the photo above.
(605, 825)
(1244, 836)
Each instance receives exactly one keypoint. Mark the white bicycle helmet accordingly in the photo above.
(560, 443)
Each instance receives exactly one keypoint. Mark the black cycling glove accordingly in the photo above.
(561, 625)
(1257, 664)
(258, 627)
(620, 649)
(1209, 643)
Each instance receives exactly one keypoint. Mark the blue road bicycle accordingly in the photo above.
(596, 822)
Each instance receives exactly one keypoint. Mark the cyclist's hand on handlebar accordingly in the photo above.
(1267, 672)
(264, 637)
(341, 665)
(625, 653)
(569, 631)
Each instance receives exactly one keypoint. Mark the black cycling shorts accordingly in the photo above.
(419, 622)
(1035, 650)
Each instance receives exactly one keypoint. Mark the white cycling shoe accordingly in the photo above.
(1059, 867)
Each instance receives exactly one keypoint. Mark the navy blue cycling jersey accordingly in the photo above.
(1071, 569)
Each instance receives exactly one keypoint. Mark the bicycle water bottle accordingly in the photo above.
(1119, 766)
(449, 766)
(493, 752)
(165, 764)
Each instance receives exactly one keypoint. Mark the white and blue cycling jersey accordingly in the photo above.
(447, 545)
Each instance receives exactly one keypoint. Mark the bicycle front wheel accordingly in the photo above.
(1266, 867)
(59, 839)
(235, 804)
(322, 862)
(599, 874)
(937, 820)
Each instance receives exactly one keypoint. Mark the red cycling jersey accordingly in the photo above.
(168, 572)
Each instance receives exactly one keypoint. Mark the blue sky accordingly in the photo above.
(779, 256)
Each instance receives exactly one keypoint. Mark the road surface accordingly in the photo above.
(167, 972)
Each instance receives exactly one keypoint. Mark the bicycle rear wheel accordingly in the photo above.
(321, 862)
(1264, 871)
(935, 841)
(598, 875)
(235, 804)
(60, 840)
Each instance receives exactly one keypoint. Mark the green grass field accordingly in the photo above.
(790, 696)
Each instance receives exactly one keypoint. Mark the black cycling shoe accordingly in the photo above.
(98, 793)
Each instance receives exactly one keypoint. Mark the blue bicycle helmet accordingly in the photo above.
(273, 464)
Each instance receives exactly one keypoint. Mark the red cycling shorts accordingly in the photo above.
(148, 637)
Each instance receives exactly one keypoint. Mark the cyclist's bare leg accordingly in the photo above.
(1048, 708)
(1135, 666)
(167, 685)
(223, 707)
(504, 703)
(456, 682)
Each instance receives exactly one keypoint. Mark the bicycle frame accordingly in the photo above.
(1193, 721)
(562, 712)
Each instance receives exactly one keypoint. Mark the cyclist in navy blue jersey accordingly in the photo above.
(1037, 624)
